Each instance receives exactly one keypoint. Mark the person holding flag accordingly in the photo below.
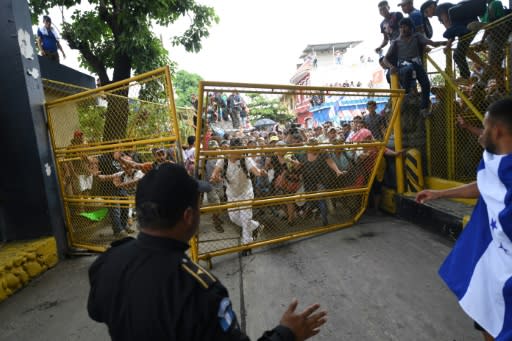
(479, 268)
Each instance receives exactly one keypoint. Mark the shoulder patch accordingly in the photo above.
(226, 316)
(201, 275)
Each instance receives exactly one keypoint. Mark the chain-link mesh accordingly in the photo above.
(186, 122)
(104, 141)
(468, 77)
(275, 178)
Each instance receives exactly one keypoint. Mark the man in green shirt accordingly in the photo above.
(495, 39)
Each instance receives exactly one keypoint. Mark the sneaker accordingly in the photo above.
(426, 112)
(257, 231)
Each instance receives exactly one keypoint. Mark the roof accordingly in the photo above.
(329, 47)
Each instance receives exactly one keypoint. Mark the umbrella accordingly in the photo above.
(217, 130)
(263, 122)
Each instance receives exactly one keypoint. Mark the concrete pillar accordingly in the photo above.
(29, 194)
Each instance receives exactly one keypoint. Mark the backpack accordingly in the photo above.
(243, 165)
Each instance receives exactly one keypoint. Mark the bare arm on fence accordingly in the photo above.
(465, 191)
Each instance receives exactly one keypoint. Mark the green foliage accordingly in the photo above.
(185, 121)
(144, 120)
(268, 107)
(92, 121)
(437, 80)
(185, 84)
(119, 34)
(148, 119)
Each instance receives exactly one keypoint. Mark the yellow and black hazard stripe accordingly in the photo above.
(200, 274)
(414, 171)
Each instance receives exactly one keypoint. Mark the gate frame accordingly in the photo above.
(394, 93)
(59, 152)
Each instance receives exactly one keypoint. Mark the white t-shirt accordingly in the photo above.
(238, 184)
(125, 177)
(190, 153)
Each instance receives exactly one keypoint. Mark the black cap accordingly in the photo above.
(165, 192)
(427, 4)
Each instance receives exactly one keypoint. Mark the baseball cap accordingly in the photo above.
(158, 150)
(404, 2)
(274, 138)
(427, 4)
(165, 192)
(213, 144)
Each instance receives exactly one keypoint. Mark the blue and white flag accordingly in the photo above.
(479, 268)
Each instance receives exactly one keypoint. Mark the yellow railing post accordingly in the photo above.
(194, 248)
(450, 119)
(399, 160)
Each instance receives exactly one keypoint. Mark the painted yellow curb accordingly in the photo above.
(22, 261)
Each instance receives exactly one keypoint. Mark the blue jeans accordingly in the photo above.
(405, 73)
(119, 215)
(459, 56)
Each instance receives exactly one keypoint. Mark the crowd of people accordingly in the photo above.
(409, 36)
(237, 177)
(222, 107)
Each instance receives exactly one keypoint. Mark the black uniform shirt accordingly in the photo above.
(148, 289)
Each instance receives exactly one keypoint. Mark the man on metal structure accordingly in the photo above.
(407, 51)
(48, 40)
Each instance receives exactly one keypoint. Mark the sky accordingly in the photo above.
(260, 41)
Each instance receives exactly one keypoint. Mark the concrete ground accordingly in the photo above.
(378, 281)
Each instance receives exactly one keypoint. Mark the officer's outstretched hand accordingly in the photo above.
(305, 324)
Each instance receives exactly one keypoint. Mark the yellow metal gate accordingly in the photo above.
(103, 140)
(278, 183)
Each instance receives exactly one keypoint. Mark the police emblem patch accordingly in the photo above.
(225, 314)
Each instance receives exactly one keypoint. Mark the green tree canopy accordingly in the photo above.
(185, 84)
(268, 107)
(118, 35)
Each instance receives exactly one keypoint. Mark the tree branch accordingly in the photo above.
(94, 61)
(104, 14)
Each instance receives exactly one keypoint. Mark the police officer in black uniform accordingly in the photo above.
(148, 289)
